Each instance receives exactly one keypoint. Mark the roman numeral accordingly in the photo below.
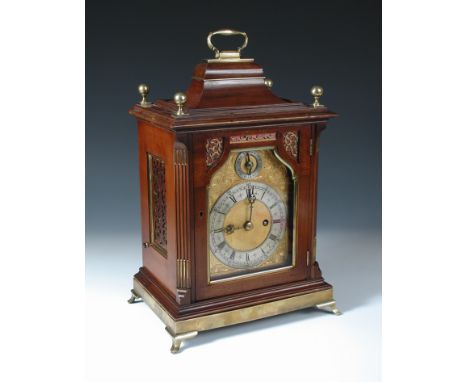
(220, 212)
(250, 191)
(275, 221)
(218, 230)
(273, 237)
(247, 258)
(274, 204)
(221, 245)
(234, 200)
(232, 255)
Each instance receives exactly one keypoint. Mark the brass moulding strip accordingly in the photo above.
(232, 317)
(223, 60)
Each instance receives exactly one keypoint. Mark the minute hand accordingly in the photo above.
(251, 198)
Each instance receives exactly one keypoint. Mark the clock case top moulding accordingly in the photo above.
(229, 105)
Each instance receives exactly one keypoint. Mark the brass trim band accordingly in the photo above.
(232, 317)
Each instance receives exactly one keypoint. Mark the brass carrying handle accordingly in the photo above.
(226, 32)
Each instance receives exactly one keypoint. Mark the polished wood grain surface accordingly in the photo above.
(229, 84)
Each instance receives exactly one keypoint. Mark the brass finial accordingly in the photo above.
(317, 92)
(180, 99)
(268, 82)
(143, 89)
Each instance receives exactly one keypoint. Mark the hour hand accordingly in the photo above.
(230, 228)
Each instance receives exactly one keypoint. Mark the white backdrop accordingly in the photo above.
(128, 342)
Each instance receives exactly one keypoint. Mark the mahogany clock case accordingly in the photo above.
(229, 106)
(347, 64)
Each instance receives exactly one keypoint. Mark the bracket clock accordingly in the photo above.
(228, 179)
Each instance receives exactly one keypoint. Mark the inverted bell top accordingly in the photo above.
(229, 84)
(227, 91)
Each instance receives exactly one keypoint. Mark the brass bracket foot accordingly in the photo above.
(178, 338)
(329, 306)
(135, 297)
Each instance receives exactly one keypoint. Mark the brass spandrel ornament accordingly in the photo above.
(228, 180)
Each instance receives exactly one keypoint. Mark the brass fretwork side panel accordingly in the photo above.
(275, 174)
(157, 204)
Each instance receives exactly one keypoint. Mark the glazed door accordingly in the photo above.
(253, 206)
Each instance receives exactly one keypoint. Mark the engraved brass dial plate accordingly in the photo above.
(250, 235)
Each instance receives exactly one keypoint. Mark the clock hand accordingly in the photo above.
(230, 228)
(218, 230)
(249, 164)
(251, 198)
